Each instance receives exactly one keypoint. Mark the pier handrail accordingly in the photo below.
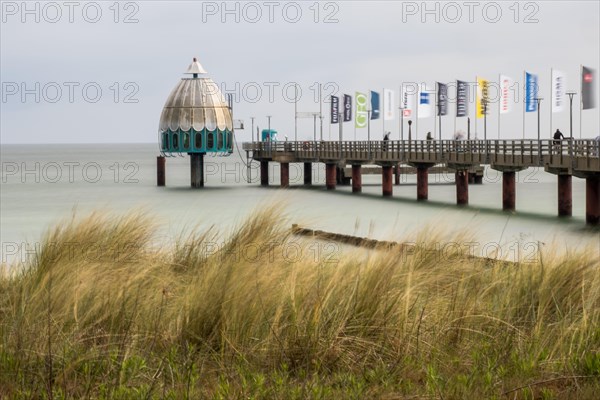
(520, 152)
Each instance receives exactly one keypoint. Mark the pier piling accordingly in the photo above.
(565, 197)
(397, 174)
(264, 173)
(422, 183)
(330, 176)
(462, 187)
(356, 178)
(197, 170)
(160, 171)
(307, 174)
(285, 174)
(508, 190)
(386, 180)
(592, 200)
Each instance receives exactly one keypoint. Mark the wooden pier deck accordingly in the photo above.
(577, 156)
(567, 158)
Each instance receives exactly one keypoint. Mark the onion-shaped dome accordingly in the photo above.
(196, 117)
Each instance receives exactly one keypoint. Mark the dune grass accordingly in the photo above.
(101, 311)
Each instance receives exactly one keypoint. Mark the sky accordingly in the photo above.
(100, 72)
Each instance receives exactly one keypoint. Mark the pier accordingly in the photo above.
(578, 158)
(197, 120)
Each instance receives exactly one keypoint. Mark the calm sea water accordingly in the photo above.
(42, 184)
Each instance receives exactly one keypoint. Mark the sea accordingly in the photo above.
(43, 185)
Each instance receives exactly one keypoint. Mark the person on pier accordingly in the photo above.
(558, 136)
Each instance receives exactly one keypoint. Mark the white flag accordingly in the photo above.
(407, 100)
(425, 103)
(388, 105)
(505, 96)
(559, 84)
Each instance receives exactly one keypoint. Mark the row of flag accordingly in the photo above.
(424, 107)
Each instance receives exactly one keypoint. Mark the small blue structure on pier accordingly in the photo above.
(269, 135)
(196, 117)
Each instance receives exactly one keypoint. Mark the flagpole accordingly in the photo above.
(369, 104)
(340, 122)
(580, 99)
(499, 102)
(296, 114)
(440, 116)
(434, 111)
(383, 106)
(321, 110)
(455, 106)
(551, 99)
(523, 98)
(476, 97)
(369, 130)
(418, 102)
(401, 116)
(439, 107)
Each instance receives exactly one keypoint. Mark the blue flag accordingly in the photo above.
(375, 110)
(424, 109)
(531, 92)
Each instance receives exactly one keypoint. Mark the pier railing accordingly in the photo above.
(578, 154)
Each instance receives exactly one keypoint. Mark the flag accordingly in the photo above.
(424, 104)
(559, 84)
(588, 90)
(335, 109)
(361, 110)
(505, 85)
(462, 98)
(375, 105)
(347, 108)
(388, 105)
(482, 98)
(408, 101)
(442, 99)
(531, 92)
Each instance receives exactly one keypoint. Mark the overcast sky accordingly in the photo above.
(51, 68)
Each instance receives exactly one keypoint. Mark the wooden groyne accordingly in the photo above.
(347, 239)
(374, 244)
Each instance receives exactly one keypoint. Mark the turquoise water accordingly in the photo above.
(41, 184)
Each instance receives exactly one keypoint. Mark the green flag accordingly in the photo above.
(361, 110)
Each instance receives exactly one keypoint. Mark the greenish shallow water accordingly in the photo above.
(42, 184)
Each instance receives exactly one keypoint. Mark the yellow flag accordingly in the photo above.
(482, 96)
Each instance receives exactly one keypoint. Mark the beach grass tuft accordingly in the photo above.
(101, 310)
